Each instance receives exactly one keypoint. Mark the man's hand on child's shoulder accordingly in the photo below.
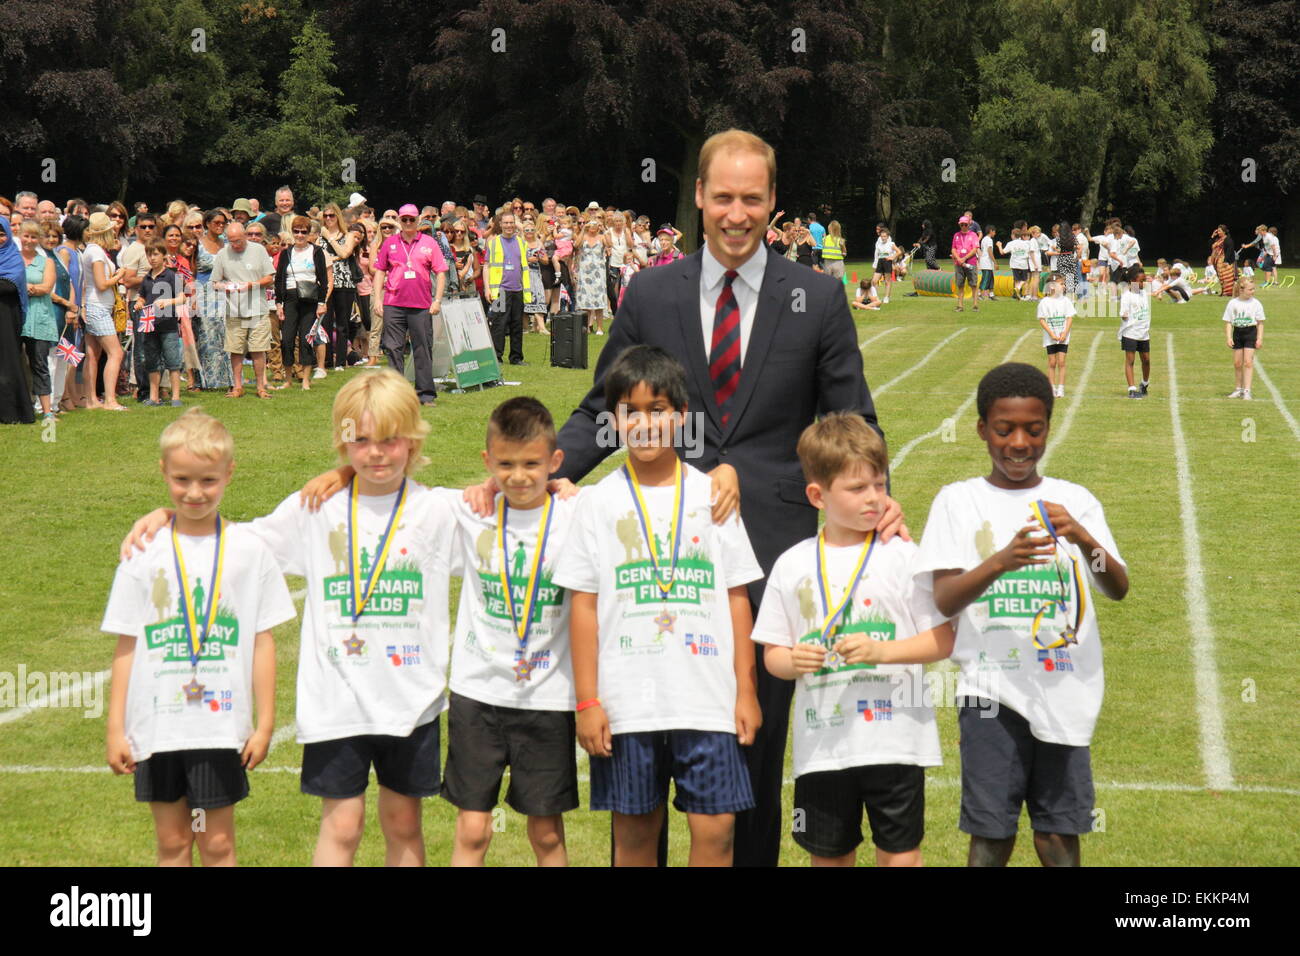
(142, 532)
(562, 488)
(724, 493)
(891, 522)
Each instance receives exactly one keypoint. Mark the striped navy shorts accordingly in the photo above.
(707, 766)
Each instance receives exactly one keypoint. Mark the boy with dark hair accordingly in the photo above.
(663, 665)
(157, 328)
(1007, 555)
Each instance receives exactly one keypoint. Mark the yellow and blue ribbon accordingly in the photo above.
(675, 530)
(832, 616)
(523, 620)
(189, 613)
(362, 591)
(1070, 635)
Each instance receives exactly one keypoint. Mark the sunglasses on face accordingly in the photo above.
(301, 232)
(116, 215)
(218, 222)
(407, 219)
(329, 215)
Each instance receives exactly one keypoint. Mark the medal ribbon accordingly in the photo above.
(534, 572)
(823, 583)
(361, 592)
(1070, 635)
(189, 612)
(675, 530)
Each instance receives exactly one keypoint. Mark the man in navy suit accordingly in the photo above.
(798, 358)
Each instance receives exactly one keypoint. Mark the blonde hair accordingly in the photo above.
(839, 444)
(394, 409)
(29, 227)
(199, 434)
(834, 228)
(736, 140)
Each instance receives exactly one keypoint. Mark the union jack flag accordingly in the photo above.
(145, 320)
(317, 335)
(69, 352)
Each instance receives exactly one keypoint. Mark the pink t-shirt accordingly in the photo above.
(967, 244)
(409, 270)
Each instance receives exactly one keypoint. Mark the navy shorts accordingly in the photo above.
(1003, 765)
(707, 766)
(339, 769)
(537, 745)
(1058, 347)
(207, 779)
(832, 803)
(1019, 275)
(1244, 337)
(1266, 263)
(161, 351)
(885, 267)
(1135, 345)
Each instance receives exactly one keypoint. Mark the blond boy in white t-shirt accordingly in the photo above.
(194, 656)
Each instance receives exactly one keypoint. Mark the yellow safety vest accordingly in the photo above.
(832, 247)
(496, 263)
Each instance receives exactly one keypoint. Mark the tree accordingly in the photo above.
(311, 140)
(1091, 98)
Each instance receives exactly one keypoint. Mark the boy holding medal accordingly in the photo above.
(372, 667)
(841, 615)
(1007, 555)
(194, 657)
(663, 666)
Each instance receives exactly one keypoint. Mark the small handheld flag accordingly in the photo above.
(69, 353)
(145, 320)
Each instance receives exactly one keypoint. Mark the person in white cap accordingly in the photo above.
(355, 200)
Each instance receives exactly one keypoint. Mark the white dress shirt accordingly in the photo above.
(746, 287)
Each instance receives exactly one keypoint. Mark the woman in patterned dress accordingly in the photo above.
(208, 321)
(591, 254)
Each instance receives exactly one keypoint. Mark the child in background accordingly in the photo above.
(161, 291)
(866, 298)
(663, 665)
(859, 744)
(886, 253)
(1244, 322)
(1032, 683)
(195, 656)
(1056, 316)
(987, 264)
(1135, 331)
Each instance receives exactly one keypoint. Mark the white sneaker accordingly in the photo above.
(1246, 394)
(319, 373)
(1235, 393)
(600, 331)
(885, 300)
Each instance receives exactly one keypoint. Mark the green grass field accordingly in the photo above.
(68, 501)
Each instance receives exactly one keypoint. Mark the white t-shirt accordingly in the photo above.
(1273, 247)
(1106, 248)
(1055, 309)
(301, 267)
(145, 604)
(1018, 249)
(1031, 245)
(854, 715)
(387, 673)
(664, 665)
(885, 248)
(1127, 248)
(986, 253)
(1081, 245)
(485, 651)
(1135, 310)
(95, 253)
(1057, 691)
(1243, 313)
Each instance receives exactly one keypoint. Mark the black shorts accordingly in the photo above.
(1266, 263)
(1058, 348)
(1003, 765)
(537, 746)
(207, 779)
(832, 801)
(1135, 345)
(1019, 275)
(339, 769)
(885, 267)
(1244, 336)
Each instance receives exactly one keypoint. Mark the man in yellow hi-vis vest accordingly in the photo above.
(508, 290)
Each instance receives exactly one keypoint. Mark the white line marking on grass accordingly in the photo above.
(287, 732)
(68, 696)
(876, 393)
(1214, 746)
(1277, 400)
(1059, 434)
(896, 461)
(878, 335)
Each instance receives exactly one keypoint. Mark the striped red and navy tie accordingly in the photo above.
(724, 355)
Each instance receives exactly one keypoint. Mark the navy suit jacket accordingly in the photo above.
(802, 361)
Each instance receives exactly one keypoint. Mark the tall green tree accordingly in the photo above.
(1099, 97)
(311, 140)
